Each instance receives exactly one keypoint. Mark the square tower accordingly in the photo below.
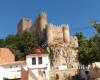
(24, 24)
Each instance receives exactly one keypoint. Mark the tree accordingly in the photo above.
(84, 53)
(21, 45)
(89, 50)
(96, 26)
(11, 43)
(96, 41)
(26, 43)
(2, 43)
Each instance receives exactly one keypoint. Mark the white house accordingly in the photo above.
(39, 65)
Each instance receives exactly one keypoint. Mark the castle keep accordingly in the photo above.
(61, 45)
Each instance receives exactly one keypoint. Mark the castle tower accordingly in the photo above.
(66, 35)
(76, 42)
(49, 34)
(42, 21)
(40, 25)
(24, 25)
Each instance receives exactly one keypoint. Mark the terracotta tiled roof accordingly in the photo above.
(39, 55)
(39, 50)
(6, 56)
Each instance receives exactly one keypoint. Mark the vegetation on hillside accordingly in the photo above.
(20, 45)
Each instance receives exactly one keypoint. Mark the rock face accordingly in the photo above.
(64, 55)
(59, 55)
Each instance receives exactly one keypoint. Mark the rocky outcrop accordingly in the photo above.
(64, 55)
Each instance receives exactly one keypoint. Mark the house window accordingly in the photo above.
(33, 61)
(10, 66)
(39, 60)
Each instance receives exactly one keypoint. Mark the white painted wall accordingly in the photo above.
(10, 71)
(45, 64)
(29, 61)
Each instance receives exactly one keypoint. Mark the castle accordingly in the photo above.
(46, 31)
(63, 47)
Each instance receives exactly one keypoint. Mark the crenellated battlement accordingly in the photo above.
(58, 33)
(60, 28)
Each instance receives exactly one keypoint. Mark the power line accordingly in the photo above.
(81, 28)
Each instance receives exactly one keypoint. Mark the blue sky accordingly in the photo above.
(76, 13)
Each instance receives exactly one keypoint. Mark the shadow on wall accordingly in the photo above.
(10, 79)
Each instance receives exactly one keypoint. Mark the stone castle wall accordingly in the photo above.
(58, 34)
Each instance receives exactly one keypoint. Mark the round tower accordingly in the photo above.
(49, 34)
(42, 21)
(66, 35)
